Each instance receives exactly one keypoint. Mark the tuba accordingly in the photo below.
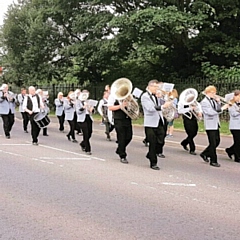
(189, 97)
(170, 112)
(121, 90)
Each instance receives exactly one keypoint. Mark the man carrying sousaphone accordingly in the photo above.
(33, 105)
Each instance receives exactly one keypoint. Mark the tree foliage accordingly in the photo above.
(93, 41)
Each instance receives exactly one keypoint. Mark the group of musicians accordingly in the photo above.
(77, 110)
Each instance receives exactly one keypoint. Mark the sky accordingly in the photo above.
(3, 8)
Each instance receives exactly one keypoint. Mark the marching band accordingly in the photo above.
(119, 103)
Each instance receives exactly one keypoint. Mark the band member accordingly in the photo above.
(173, 96)
(32, 104)
(44, 96)
(211, 107)
(70, 115)
(122, 124)
(234, 126)
(7, 109)
(154, 123)
(85, 120)
(78, 130)
(59, 112)
(25, 118)
(103, 111)
(190, 123)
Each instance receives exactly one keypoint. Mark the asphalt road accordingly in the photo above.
(55, 191)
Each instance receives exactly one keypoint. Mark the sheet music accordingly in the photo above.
(167, 87)
(92, 102)
(229, 97)
(137, 92)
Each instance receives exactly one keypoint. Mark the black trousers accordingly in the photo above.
(108, 126)
(8, 121)
(72, 125)
(35, 129)
(156, 138)
(124, 132)
(61, 121)
(25, 117)
(191, 128)
(86, 128)
(214, 140)
(235, 148)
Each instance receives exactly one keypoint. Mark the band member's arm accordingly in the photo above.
(234, 111)
(80, 107)
(113, 107)
(148, 104)
(99, 108)
(58, 102)
(183, 109)
(68, 104)
(207, 108)
(3, 96)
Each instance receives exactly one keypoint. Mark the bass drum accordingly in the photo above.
(41, 119)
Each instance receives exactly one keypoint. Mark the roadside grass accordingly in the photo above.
(178, 124)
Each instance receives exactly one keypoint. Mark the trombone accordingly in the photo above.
(222, 99)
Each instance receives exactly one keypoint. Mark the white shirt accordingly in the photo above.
(35, 108)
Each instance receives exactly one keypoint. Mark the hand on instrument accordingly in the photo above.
(225, 106)
(166, 104)
(124, 103)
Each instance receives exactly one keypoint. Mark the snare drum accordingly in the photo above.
(41, 119)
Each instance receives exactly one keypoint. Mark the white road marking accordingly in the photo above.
(10, 153)
(15, 144)
(74, 153)
(179, 184)
(62, 158)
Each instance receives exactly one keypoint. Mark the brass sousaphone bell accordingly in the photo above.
(121, 90)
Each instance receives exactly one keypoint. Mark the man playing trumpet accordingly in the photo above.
(7, 109)
(211, 107)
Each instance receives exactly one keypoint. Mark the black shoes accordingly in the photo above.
(185, 147)
(228, 153)
(192, 153)
(68, 137)
(123, 160)
(83, 148)
(145, 143)
(74, 141)
(215, 164)
(45, 135)
(205, 159)
(8, 137)
(161, 155)
(26, 131)
(155, 167)
(108, 137)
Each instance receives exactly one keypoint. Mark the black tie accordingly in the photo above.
(155, 99)
(213, 103)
